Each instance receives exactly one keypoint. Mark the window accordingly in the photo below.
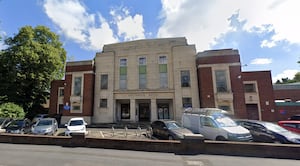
(250, 88)
(187, 102)
(123, 74)
(104, 81)
(185, 78)
(76, 107)
(142, 73)
(163, 71)
(123, 62)
(61, 92)
(103, 103)
(221, 82)
(142, 61)
(162, 60)
(77, 86)
(224, 107)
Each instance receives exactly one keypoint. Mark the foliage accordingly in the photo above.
(11, 110)
(287, 80)
(33, 58)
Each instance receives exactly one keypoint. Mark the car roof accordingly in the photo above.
(47, 119)
(77, 118)
(252, 121)
(289, 121)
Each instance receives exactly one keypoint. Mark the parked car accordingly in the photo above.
(4, 122)
(295, 117)
(171, 130)
(19, 126)
(76, 125)
(38, 117)
(291, 125)
(269, 132)
(213, 124)
(46, 126)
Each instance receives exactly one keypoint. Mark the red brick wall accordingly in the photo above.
(54, 95)
(88, 95)
(237, 87)
(79, 68)
(293, 94)
(218, 59)
(206, 89)
(265, 89)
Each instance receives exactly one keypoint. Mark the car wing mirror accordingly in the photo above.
(66, 125)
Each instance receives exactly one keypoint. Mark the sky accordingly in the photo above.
(266, 33)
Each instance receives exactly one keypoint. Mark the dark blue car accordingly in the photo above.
(268, 132)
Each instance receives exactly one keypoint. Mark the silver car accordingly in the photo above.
(46, 126)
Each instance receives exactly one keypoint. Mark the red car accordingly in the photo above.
(291, 125)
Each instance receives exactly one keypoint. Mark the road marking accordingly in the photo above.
(194, 163)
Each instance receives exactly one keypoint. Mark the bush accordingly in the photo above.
(11, 110)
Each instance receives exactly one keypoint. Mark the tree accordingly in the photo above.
(11, 110)
(33, 58)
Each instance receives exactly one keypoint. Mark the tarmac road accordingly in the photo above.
(40, 155)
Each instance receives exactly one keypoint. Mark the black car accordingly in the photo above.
(20, 126)
(169, 129)
(295, 117)
(269, 132)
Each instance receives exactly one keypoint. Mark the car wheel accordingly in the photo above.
(170, 137)
(277, 142)
(220, 138)
(22, 131)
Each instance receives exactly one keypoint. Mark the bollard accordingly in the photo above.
(113, 131)
(125, 131)
(138, 131)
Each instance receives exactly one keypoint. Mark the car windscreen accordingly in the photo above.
(17, 123)
(173, 125)
(44, 123)
(275, 128)
(76, 123)
(224, 121)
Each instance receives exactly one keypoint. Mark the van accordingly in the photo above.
(214, 124)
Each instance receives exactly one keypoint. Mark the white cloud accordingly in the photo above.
(285, 74)
(77, 24)
(204, 21)
(2, 36)
(261, 61)
(130, 27)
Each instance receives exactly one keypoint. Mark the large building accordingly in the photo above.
(145, 80)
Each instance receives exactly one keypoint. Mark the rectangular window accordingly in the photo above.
(142, 73)
(123, 74)
(77, 86)
(142, 61)
(123, 62)
(250, 88)
(221, 82)
(163, 80)
(185, 78)
(162, 60)
(187, 102)
(104, 81)
(61, 92)
(103, 103)
(76, 107)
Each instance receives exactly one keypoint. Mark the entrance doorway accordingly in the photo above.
(252, 111)
(125, 111)
(144, 112)
(163, 111)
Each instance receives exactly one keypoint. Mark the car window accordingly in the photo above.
(173, 125)
(206, 121)
(290, 125)
(44, 123)
(76, 123)
(225, 122)
(297, 117)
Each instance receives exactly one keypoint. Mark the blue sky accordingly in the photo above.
(266, 33)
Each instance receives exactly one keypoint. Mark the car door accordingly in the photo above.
(262, 134)
(208, 128)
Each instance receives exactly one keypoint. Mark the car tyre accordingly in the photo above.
(220, 138)
(170, 137)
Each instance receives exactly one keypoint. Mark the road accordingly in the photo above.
(38, 155)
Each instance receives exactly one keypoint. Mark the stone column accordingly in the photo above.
(153, 110)
(132, 110)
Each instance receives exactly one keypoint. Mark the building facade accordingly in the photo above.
(146, 80)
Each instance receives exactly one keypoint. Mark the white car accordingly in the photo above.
(76, 125)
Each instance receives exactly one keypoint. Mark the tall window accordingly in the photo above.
(221, 82)
(123, 73)
(163, 71)
(142, 73)
(250, 87)
(61, 92)
(77, 86)
(187, 102)
(104, 81)
(185, 78)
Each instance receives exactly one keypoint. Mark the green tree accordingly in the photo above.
(11, 110)
(33, 58)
